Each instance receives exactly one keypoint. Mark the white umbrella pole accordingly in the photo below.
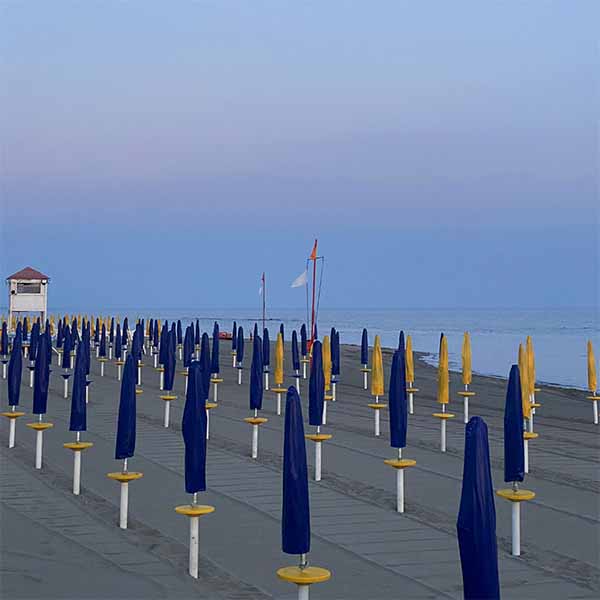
(318, 459)
(303, 591)
(595, 405)
(66, 393)
(254, 441)
(239, 376)
(526, 448)
(324, 418)
(155, 360)
(162, 381)
(278, 403)
(303, 370)
(139, 375)
(298, 382)
(215, 392)
(110, 352)
(11, 433)
(38, 449)
(333, 384)
(118, 372)
(76, 472)
(377, 420)
(466, 407)
(102, 369)
(124, 505)
(30, 378)
(207, 424)
(266, 380)
(194, 531)
(3, 370)
(167, 412)
(365, 378)
(516, 528)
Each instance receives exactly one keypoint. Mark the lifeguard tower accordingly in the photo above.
(27, 293)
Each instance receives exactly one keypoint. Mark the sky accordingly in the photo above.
(165, 154)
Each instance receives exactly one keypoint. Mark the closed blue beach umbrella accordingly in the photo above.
(41, 377)
(303, 340)
(111, 331)
(364, 348)
(15, 369)
(335, 352)
(125, 332)
(476, 524)
(102, 349)
(240, 344)
(34, 341)
(118, 343)
(78, 421)
(214, 357)
(234, 337)
(125, 444)
(25, 329)
(67, 348)
(193, 427)
(514, 452)
(188, 346)
(162, 344)
(295, 512)
(179, 333)
(256, 378)
(97, 332)
(295, 352)
(74, 332)
(205, 352)
(155, 335)
(266, 353)
(397, 399)
(197, 340)
(169, 361)
(4, 340)
(316, 387)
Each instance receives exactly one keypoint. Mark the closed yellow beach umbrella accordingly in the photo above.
(467, 374)
(530, 365)
(278, 375)
(327, 362)
(524, 374)
(377, 369)
(443, 396)
(410, 364)
(591, 366)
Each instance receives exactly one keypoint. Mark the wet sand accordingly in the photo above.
(56, 545)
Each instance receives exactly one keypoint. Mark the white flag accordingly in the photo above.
(300, 280)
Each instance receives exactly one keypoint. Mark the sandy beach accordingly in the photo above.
(56, 545)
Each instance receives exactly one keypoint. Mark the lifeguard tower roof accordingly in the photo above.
(28, 273)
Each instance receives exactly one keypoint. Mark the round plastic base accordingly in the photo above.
(194, 510)
(125, 477)
(400, 463)
(518, 496)
(305, 576)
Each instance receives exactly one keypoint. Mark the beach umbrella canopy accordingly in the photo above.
(78, 421)
(303, 340)
(164, 334)
(67, 348)
(524, 376)
(59, 334)
(15, 369)
(97, 331)
(410, 365)
(25, 329)
(467, 375)
(591, 368)
(295, 510)
(125, 445)
(278, 374)
(137, 343)
(4, 340)
(118, 343)
(364, 348)
(193, 428)
(256, 379)
(240, 344)
(514, 450)
(74, 331)
(125, 332)
(197, 337)
(34, 341)
(266, 348)
(316, 386)
(530, 364)
(102, 349)
(41, 377)
(179, 332)
(49, 338)
(234, 337)
(188, 346)
(205, 352)
(377, 385)
(397, 398)
(282, 332)
(155, 335)
(85, 343)
(443, 393)
(327, 362)
(295, 353)
(169, 375)
(214, 357)
(476, 523)
(335, 352)
(111, 331)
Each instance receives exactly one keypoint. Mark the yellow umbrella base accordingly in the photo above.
(318, 437)
(412, 390)
(466, 394)
(377, 406)
(443, 415)
(168, 398)
(530, 435)
(278, 390)
(255, 420)
(77, 446)
(516, 496)
(40, 426)
(194, 510)
(216, 380)
(365, 370)
(305, 576)
(210, 405)
(593, 397)
(400, 463)
(13, 414)
(125, 477)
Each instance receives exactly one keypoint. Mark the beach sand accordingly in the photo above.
(56, 545)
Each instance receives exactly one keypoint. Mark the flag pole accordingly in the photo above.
(313, 257)
(264, 299)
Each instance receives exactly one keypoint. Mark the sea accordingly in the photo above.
(559, 335)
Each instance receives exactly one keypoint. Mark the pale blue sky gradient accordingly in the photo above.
(453, 144)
